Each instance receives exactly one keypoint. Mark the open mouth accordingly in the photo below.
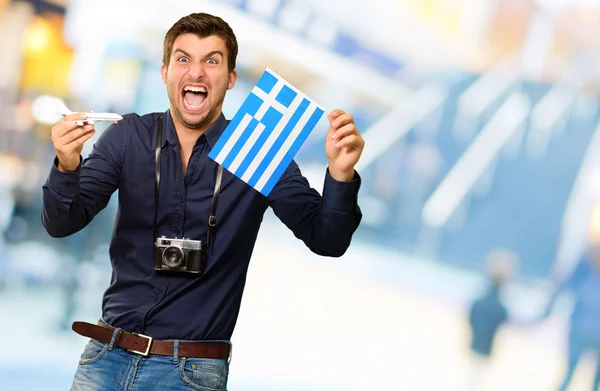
(194, 97)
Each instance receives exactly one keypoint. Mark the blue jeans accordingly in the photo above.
(103, 366)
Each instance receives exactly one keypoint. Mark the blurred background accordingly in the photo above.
(481, 180)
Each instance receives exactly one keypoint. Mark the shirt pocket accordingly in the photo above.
(204, 374)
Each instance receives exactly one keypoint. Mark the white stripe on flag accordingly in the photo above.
(279, 78)
(272, 138)
(286, 146)
(237, 133)
(246, 148)
(269, 100)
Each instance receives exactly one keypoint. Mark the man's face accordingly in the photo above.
(197, 79)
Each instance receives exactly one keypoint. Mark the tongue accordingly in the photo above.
(194, 98)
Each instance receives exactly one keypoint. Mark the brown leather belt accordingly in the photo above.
(144, 345)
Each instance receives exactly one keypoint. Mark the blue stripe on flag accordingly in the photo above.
(286, 96)
(312, 122)
(289, 127)
(270, 120)
(266, 82)
(239, 144)
(250, 106)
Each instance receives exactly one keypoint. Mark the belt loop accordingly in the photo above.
(230, 353)
(176, 352)
(116, 333)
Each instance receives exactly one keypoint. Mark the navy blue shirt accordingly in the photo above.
(166, 306)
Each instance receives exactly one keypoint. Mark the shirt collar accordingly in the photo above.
(169, 129)
(166, 120)
(216, 130)
(212, 134)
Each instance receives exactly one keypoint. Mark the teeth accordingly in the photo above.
(194, 89)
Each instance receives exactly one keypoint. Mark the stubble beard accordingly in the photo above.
(194, 123)
(205, 120)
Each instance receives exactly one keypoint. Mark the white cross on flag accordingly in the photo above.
(266, 133)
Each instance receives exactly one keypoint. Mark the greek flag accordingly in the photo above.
(266, 133)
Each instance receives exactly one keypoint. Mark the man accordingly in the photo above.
(487, 314)
(164, 330)
(583, 285)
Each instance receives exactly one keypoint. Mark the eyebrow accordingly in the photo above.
(182, 51)
(208, 55)
(215, 52)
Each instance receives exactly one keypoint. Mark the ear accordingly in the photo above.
(163, 73)
(232, 80)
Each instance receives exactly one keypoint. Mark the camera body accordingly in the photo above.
(178, 255)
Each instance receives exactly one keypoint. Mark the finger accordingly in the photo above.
(76, 134)
(70, 147)
(342, 120)
(68, 124)
(344, 131)
(75, 117)
(334, 114)
(81, 139)
(350, 141)
(332, 117)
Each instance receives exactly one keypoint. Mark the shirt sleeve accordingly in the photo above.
(72, 199)
(324, 223)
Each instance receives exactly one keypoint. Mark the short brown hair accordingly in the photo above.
(203, 25)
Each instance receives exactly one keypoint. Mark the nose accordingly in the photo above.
(196, 70)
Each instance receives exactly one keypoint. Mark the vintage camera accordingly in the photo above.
(178, 255)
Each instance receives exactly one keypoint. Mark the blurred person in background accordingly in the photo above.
(165, 330)
(487, 313)
(583, 284)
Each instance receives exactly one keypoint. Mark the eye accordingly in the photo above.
(211, 61)
(182, 59)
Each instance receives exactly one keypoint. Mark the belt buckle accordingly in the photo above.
(144, 353)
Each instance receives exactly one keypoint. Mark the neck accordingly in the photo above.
(190, 135)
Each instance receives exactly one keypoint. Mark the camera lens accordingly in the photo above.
(173, 257)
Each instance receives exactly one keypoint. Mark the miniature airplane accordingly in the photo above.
(91, 116)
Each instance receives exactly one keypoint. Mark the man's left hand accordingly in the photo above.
(343, 145)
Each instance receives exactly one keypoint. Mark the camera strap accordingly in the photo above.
(212, 219)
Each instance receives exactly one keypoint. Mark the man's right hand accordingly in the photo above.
(68, 139)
